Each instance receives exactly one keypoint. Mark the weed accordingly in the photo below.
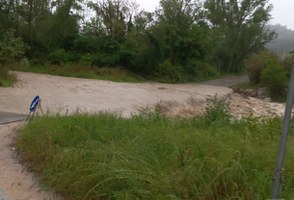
(150, 112)
(217, 110)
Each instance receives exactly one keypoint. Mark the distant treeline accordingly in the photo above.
(182, 40)
(284, 43)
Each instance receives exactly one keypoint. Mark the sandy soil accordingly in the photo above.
(67, 95)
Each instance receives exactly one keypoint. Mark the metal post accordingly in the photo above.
(286, 122)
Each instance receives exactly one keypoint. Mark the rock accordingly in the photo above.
(240, 92)
(253, 107)
(267, 99)
(262, 93)
(250, 92)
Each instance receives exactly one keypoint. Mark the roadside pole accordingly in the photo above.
(36, 104)
(285, 129)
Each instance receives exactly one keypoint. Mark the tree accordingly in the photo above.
(142, 21)
(9, 15)
(64, 25)
(178, 28)
(179, 38)
(238, 29)
(112, 17)
(135, 47)
(32, 12)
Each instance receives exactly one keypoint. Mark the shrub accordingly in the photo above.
(105, 60)
(169, 72)
(274, 76)
(86, 59)
(58, 57)
(257, 62)
(200, 70)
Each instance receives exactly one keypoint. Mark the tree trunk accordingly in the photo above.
(230, 67)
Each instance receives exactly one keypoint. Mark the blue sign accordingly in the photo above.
(34, 104)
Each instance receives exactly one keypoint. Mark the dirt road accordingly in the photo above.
(68, 95)
(227, 81)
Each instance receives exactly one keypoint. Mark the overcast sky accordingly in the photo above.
(283, 10)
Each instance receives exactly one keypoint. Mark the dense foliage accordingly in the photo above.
(182, 40)
(266, 69)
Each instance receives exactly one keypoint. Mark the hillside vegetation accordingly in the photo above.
(181, 41)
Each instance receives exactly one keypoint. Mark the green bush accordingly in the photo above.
(86, 59)
(257, 62)
(129, 59)
(169, 72)
(58, 57)
(105, 60)
(274, 77)
(199, 70)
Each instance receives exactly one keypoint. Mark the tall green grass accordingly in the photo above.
(152, 157)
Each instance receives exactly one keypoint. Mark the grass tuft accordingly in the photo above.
(152, 157)
(217, 111)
